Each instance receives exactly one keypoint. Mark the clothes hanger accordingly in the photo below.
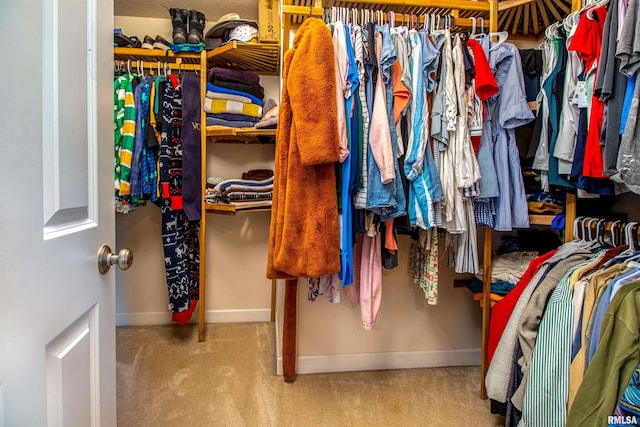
(630, 228)
(600, 237)
(587, 231)
(473, 27)
(584, 227)
(576, 228)
(481, 35)
(613, 233)
(502, 37)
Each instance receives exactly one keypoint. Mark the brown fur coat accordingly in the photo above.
(304, 239)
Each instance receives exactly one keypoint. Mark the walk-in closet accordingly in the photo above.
(321, 212)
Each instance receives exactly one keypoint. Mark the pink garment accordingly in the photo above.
(353, 290)
(368, 277)
(341, 60)
(379, 133)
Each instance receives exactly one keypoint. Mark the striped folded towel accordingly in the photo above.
(222, 106)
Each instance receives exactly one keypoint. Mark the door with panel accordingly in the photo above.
(57, 333)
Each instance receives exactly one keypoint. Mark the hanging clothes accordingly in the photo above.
(179, 235)
(125, 125)
(506, 111)
(627, 51)
(304, 239)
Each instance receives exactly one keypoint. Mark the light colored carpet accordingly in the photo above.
(166, 378)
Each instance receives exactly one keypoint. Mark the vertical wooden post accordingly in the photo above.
(486, 259)
(486, 307)
(289, 330)
(576, 5)
(273, 300)
(569, 216)
(493, 16)
(203, 185)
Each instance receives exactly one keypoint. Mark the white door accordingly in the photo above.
(57, 334)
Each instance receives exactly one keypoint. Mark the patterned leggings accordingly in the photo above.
(181, 257)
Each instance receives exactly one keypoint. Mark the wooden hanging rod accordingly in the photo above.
(288, 9)
(154, 65)
(482, 6)
(441, 4)
(459, 22)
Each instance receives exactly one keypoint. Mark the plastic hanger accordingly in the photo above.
(614, 234)
(576, 228)
(502, 37)
(629, 229)
(481, 35)
(601, 236)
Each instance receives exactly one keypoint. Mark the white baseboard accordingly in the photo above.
(387, 360)
(210, 316)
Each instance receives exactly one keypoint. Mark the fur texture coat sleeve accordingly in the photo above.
(304, 237)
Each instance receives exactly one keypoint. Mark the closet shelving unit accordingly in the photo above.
(260, 58)
(295, 11)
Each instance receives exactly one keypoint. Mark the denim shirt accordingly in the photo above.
(387, 200)
(506, 111)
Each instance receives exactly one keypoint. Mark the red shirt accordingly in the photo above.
(587, 42)
(486, 85)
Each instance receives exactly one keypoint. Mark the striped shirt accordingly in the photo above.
(125, 129)
(359, 46)
(546, 393)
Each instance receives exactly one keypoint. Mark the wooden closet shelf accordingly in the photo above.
(260, 58)
(539, 219)
(223, 134)
(231, 209)
(154, 55)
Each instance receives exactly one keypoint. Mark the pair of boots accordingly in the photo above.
(180, 18)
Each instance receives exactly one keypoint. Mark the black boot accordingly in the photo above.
(196, 27)
(179, 21)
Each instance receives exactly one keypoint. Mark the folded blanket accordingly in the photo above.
(220, 187)
(220, 106)
(229, 96)
(233, 75)
(258, 174)
(255, 90)
(237, 188)
(217, 91)
(187, 47)
(245, 195)
(234, 117)
(212, 121)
